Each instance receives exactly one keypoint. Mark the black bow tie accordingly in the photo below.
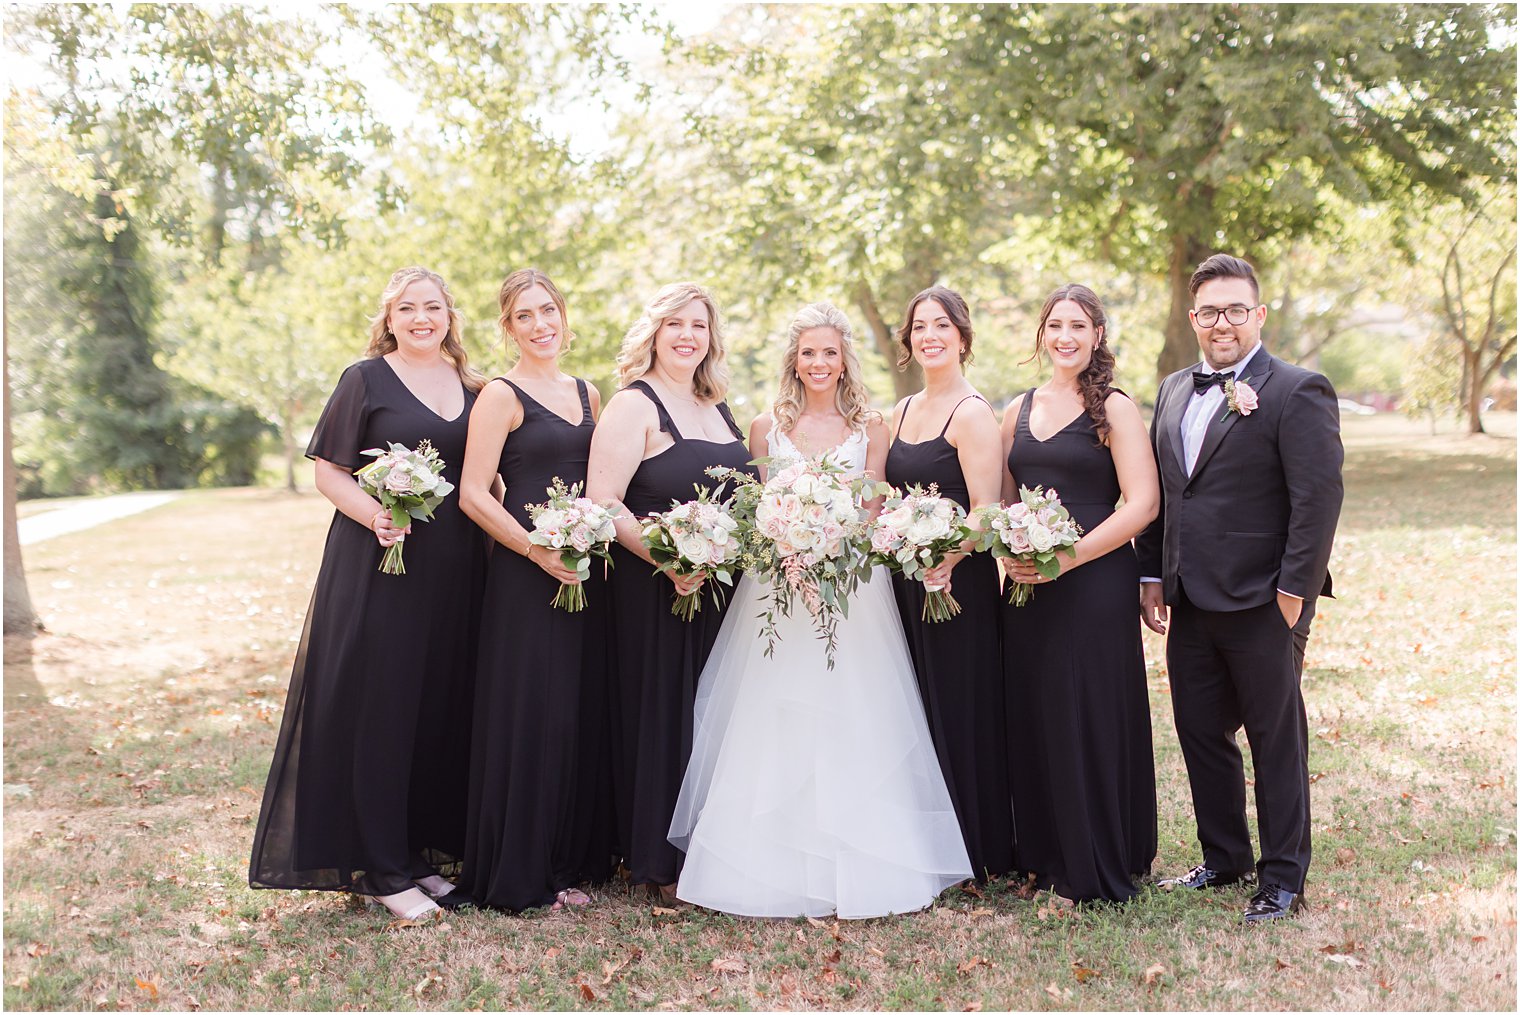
(1203, 382)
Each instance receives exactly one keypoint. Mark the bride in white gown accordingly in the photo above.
(813, 791)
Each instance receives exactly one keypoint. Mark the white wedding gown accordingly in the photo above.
(813, 791)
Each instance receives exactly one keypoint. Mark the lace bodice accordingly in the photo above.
(849, 455)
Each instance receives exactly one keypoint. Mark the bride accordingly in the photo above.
(813, 791)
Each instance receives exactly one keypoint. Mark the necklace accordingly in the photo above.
(679, 397)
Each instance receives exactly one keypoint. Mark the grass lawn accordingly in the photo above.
(139, 727)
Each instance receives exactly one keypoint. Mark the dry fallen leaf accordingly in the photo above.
(972, 963)
(149, 987)
(1058, 993)
(587, 992)
(1345, 855)
(36, 949)
(975, 913)
(729, 964)
(813, 922)
(973, 1006)
(1083, 973)
(1153, 974)
(664, 911)
(427, 981)
(1345, 960)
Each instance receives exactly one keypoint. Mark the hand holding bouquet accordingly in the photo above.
(408, 484)
(915, 532)
(799, 529)
(579, 529)
(698, 537)
(1034, 529)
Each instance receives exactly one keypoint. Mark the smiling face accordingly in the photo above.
(682, 339)
(1225, 344)
(935, 339)
(820, 359)
(419, 317)
(1069, 336)
(536, 323)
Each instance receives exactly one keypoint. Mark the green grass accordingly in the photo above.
(141, 725)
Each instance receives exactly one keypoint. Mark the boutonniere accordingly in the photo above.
(1239, 397)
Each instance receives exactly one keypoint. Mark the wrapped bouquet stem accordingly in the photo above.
(698, 536)
(916, 532)
(579, 529)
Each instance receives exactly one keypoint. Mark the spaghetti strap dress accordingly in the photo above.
(1084, 782)
(370, 775)
(540, 814)
(959, 666)
(657, 656)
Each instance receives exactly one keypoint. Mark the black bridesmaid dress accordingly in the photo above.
(370, 774)
(1084, 783)
(959, 666)
(659, 656)
(540, 812)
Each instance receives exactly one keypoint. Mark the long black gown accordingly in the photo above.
(368, 784)
(540, 816)
(959, 667)
(1084, 783)
(658, 656)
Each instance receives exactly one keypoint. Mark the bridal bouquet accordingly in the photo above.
(699, 535)
(1035, 528)
(915, 532)
(800, 529)
(408, 484)
(579, 529)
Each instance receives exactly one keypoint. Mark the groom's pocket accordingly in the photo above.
(1254, 552)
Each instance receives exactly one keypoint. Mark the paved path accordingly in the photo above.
(88, 513)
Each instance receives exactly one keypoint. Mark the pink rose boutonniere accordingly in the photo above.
(1239, 397)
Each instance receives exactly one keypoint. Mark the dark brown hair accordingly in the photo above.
(1224, 266)
(1097, 380)
(955, 309)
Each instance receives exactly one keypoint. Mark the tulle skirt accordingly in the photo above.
(813, 791)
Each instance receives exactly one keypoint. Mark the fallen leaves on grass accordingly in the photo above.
(149, 987)
(587, 992)
(1083, 973)
(971, 964)
(611, 969)
(1153, 975)
(729, 964)
(1059, 993)
(431, 979)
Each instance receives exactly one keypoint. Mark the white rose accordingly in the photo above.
(1040, 537)
(694, 548)
(815, 515)
(898, 518)
(944, 509)
(803, 485)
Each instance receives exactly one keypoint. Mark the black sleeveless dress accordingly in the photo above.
(658, 656)
(1084, 783)
(959, 667)
(370, 772)
(540, 813)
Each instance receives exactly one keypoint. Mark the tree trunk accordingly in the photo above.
(1475, 377)
(1180, 350)
(288, 435)
(19, 615)
(905, 382)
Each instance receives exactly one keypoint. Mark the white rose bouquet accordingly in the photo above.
(915, 532)
(1035, 528)
(699, 535)
(800, 529)
(579, 529)
(408, 484)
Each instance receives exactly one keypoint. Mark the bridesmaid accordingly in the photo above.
(540, 786)
(369, 777)
(1084, 786)
(660, 433)
(947, 434)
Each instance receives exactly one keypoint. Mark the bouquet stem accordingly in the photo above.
(570, 598)
(686, 607)
(391, 563)
(939, 606)
(1020, 593)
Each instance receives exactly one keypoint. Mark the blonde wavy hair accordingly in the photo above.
(382, 340)
(519, 282)
(851, 397)
(636, 357)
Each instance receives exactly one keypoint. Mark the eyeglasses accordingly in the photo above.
(1209, 316)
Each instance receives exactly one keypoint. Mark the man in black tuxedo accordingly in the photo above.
(1250, 455)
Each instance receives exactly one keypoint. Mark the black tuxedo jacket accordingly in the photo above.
(1258, 513)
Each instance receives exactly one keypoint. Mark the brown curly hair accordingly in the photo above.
(1096, 381)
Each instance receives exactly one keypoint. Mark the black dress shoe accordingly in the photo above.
(1273, 902)
(1204, 877)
